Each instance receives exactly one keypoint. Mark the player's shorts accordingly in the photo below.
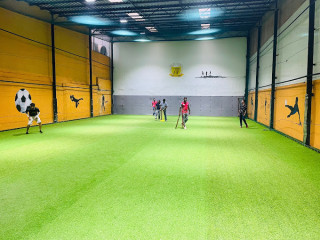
(34, 118)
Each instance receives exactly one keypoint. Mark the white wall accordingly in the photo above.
(265, 71)
(144, 68)
(316, 68)
(293, 47)
(253, 72)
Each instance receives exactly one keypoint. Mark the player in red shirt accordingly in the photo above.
(184, 108)
(154, 103)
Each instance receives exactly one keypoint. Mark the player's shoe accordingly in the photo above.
(40, 131)
(27, 132)
(247, 126)
(185, 127)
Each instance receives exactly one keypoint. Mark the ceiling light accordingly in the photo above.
(204, 38)
(142, 40)
(115, 1)
(152, 29)
(136, 16)
(204, 31)
(204, 13)
(123, 33)
(89, 20)
(123, 20)
(205, 26)
(90, 1)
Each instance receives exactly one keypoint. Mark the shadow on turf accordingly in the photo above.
(21, 134)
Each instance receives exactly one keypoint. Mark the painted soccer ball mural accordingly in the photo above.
(22, 100)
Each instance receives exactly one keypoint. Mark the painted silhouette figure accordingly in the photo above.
(103, 106)
(294, 109)
(73, 99)
(265, 106)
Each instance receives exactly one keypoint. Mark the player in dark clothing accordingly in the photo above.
(158, 108)
(33, 115)
(242, 113)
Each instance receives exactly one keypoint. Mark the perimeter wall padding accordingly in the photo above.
(26, 63)
(315, 116)
(285, 98)
(251, 104)
(264, 106)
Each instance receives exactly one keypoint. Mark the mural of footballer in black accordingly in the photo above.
(265, 106)
(73, 99)
(294, 109)
(103, 102)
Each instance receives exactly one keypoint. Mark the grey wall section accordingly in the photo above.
(200, 106)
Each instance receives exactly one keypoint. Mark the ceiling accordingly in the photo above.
(167, 20)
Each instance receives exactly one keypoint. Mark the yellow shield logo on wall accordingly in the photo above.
(176, 71)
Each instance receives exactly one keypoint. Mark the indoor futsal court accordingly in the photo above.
(160, 120)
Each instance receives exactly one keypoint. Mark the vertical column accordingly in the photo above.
(54, 82)
(257, 73)
(309, 94)
(247, 69)
(111, 75)
(274, 63)
(90, 67)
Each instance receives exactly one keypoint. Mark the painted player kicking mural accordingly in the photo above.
(73, 99)
(103, 103)
(294, 109)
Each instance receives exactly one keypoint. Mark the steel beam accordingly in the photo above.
(90, 73)
(54, 82)
(309, 94)
(274, 63)
(257, 73)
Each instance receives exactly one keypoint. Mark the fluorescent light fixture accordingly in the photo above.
(123, 33)
(115, 1)
(142, 33)
(151, 29)
(200, 14)
(90, 1)
(123, 20)
(204, 12)
(136, 16)
(205, 26)
(89, 20)
(204, 31)
(204, 38)
(142, 40)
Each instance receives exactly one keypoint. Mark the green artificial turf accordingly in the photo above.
(131, 177)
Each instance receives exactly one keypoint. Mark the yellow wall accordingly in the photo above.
(251, 104)
(24, 64)
(27, 64)
(264, 106)
(290, 125)
(102, 84)
(315, 116)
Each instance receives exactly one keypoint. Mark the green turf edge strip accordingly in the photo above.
(56, 122)
(287, 136)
